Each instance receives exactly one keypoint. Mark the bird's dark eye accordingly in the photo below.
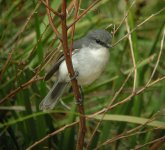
(101, 43)
(98, 41)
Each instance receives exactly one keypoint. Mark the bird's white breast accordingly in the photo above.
(89, 63)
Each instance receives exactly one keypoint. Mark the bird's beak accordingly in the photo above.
(108, 45)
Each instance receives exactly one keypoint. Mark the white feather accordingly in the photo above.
(89, 63)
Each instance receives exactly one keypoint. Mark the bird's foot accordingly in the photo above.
(75, 75)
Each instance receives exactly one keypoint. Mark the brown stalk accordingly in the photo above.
(51, 22)
(47, 6)
(82, 127)
(161, 139)
(122, 136)
(67, 55)
(74, 83)
(76, 5)
(23, 86)
(83, 13)
(52, 134)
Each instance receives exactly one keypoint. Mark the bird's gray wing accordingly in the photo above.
(54, 68)
(77, 45)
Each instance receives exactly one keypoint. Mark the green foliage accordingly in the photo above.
(28, 47)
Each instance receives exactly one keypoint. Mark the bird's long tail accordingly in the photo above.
(53, 96)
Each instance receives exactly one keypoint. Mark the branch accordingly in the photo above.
(16, 37)
(140, 24)
(52, 134)
(51, 22)
(128, 98)
(161, 139)
(47, 6)
(125, 16)
(83, 13)
(132, 55)
(159, 55)
(76, 5)
(74, 82)
(21, 87)
(122, 136)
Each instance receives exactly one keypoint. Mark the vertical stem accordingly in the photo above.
(77, 95)
(76, 6)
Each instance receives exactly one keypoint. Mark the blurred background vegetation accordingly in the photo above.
(28, 47)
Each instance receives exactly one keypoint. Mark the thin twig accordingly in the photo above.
(18, 34)
(129, 132)
(132, 55)
(51, 134)
(110, 103)
(121, 136)
(160, 53)
(82, 127)
(76, 6)
(51, 22)
(52, 10)
(154, 141)
(83, 13)
(140, 24)
(23, 86)
(156, 145)
(128, 98)
(125, 16)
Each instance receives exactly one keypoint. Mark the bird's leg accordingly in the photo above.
(79, 101)
(65, 105)
(75, 75)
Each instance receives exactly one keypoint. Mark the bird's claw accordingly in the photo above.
(75, 75)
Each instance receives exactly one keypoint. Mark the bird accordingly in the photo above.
(89, 58)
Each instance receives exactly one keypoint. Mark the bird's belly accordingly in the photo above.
(88, 65)
(92, 66)
(88, 75)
